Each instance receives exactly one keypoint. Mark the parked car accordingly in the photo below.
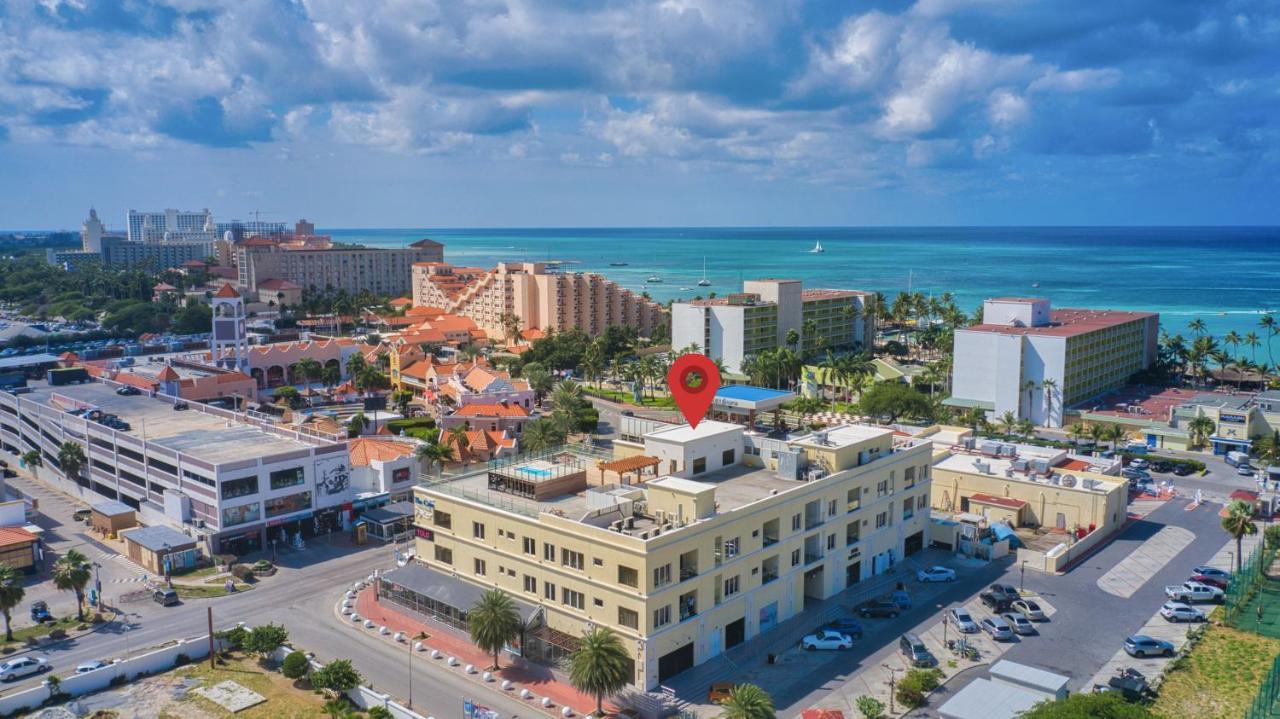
(1141, 645)
(719, 692)
(901, 598)
(879, 608)
(89, 666)
(1029, 609)
(1179, 612)
(128, 391)
(917, 654)
(1218, 582)
(846, 625)
(1244, 470)
(1131, 473)
(165, 597)
(995, 601)
(961, 620)
(81, 515)
(826, 639)
(1138, 463)
(1193, 592)
(1018, 623)
(1160, 465)
(1129, 683)
(40, 612)
(1207, 571)
(997, 628)
(936, 574)
(19, 667)
(1183, 470)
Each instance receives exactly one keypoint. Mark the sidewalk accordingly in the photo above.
(539, 679)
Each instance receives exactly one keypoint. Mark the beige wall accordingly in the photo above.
(1044, 501)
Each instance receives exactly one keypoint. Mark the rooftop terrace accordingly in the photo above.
(1050, 466)
(1067, 322)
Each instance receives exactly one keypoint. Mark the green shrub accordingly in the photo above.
(410, 423)
(243, 572)
(262, 565)
(916, 685)
(234, 637)
(377, 712)
(870, 707)
(295, 665)
(1272, 536)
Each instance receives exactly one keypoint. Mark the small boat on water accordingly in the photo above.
(1035, 285)
(704, 282)
(617, 264)
(817, 248)
(655, 279)
(685, 289)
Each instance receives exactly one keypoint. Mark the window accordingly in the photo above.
(242, 487)
(795, 523)
(831, 541)
(628, 618)
(549, 590)
(909, 477)
(511, 573)
(922, 501)
(831, 508)
(795, 557)
(530, 584)
(444, 520)
(699, 465)
(573, 598)
(853, 500)
(661, 576)
(628, 576)
(444, 555)
(191, 475)
(571, 559)
(480, 568)
(882, 519)
(291, 477)
(731, 548)
(882, 487)
(598, 602)
(477, 530)
(662, 616)
(549, 552)
(597, 561)
(245, 513)
(731, 586)
(908, 508)
(726, 457)
(277, 506)
(530, 546)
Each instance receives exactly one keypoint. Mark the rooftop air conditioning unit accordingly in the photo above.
(629, 522)
(616, 526)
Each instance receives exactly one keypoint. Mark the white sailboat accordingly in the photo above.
(704, 282)
(654, 278)
(817, 248)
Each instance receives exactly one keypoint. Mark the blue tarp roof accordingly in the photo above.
(1004, 532)
(748, 393)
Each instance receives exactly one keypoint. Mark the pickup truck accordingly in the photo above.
(1193, 592)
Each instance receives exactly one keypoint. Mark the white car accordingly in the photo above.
(1029, 609)
(960, 619)
(1179, 612)
(22, 667)
(826, 639)
(936, 574)
(1193, 592)
(998, 628)
(1138, 463)
(86, 667)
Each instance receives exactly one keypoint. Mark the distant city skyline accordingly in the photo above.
(726, 113)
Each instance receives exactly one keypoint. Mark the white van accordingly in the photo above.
(1235, 459)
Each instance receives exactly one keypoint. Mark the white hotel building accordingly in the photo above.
(1034, 361)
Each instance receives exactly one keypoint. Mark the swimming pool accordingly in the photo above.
(536, 471)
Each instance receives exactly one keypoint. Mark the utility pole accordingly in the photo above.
(892, 677)
(211, 643)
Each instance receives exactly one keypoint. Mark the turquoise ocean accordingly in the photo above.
(1226, 276)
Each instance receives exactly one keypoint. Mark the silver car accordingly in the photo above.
(960, 619)
(1019, 623)
(1029, 609)
(997, 628)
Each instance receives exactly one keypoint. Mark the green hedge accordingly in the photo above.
(396, 425)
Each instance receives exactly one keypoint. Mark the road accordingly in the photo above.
(302, 596)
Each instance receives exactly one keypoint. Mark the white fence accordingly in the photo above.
(150, 662)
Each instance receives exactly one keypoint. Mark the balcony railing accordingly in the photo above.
(768, 577)
(769, 541)
(811, 557)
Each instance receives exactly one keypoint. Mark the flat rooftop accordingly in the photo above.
(151, 370)
(844, 436)
(1068, 322)
(682, 433)
(1062, 465)
(828, 294)
(192, 432)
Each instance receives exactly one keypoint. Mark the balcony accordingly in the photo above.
(767, 577)
(811, 557)
(770, 540)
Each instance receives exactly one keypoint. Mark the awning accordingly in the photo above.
(457, 593)
(390, 513)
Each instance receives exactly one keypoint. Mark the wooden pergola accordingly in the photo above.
(638, 464)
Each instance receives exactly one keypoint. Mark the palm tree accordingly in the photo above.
(1007, 421)
(494, 622)
(71, 459)
(331, 376)
(1050, 387)
(433, 453)
(1077, 432)
(539, 379)
(748, 701)
(1238, 523)
(593, 361)
(1252, 341)
(540, 434)
(1030, 387)
(71, 573)
(11, 593)
(1233, 340)
(1199, 430)
(1096, 433)
(1026, 427)
(310, 369)
(1116, 434)
(1268, 323)
(32, 458)
(793, 338)
(457, 437)
(1196, 326)
(600, 666)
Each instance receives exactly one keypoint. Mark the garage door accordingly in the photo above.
(672, 663)
(913, 544)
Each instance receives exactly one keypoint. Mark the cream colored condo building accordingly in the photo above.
(731, 534)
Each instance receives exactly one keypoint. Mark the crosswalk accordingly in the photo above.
(137, 577)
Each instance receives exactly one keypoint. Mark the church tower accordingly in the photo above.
(230, 343)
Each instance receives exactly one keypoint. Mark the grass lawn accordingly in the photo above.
(284, 701)
(626, 398)
(192, 591)
(1219, 678)
(66, 624)
(201, 572)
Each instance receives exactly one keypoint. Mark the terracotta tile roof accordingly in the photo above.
(480, 444)
(1006, 502)
(164, 287)
(277, 284)
(365, 450)
(416, 370)
(491, 410)
(167, 374)
(68, 356)
(425, 243)
(1067, 322)
(424, 311)
(533, 333)
(400, 302)
(233, 377)
(14, 536)
(227, 291)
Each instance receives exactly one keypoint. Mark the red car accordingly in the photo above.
(1218, 582)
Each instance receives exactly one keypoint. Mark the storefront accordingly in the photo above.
(392, 523)
(240, 541)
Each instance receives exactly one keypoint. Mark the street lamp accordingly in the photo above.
(273, 550)
(97, 582)
(416, 638)
(1022, 577)
(892, 680)
(168, 577)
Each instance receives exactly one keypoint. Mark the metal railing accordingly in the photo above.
(1264, 704)
(1245, 584)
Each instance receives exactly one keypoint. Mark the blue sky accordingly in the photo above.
(452, 113)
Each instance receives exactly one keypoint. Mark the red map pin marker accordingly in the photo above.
(693, 380)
